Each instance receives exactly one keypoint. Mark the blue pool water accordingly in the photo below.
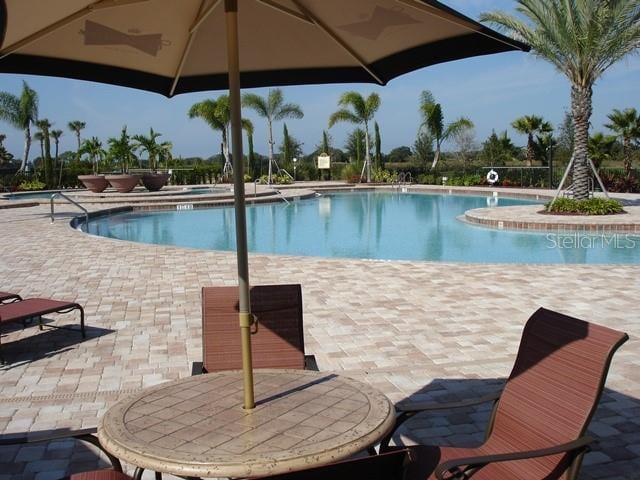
(371, 225)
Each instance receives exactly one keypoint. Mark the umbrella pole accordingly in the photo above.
(231, 16)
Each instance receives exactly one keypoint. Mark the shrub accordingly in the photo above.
(590, 206)
(351, 173)
(28, 186)
(380, 175)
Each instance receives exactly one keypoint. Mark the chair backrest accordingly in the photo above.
(279, 342)
(556, 382)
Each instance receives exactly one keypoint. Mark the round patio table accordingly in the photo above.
(197, 427)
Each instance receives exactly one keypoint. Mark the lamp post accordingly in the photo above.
(295, 160)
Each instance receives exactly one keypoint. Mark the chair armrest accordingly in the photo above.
(45, 436)
(406, 410)
(476, 463)
(416, 407)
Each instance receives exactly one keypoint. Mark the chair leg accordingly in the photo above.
(40, 322)
(84, 334)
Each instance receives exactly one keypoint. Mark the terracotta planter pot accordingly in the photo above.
(95, 183)
(154, 181)
(123, 183)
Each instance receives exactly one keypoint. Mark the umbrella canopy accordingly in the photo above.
(171, 47)
(178, 46)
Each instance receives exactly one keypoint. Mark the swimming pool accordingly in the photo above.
(369, 225)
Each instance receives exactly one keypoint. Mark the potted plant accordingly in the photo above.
(93, 148)
(122, 150)
(154, 180)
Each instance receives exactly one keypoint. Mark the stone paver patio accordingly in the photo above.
(412, 329)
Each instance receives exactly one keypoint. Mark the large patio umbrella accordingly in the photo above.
(179, 46)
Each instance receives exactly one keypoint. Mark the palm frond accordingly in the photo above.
(256, 103)
(354, 100)
(343, 115)
(288, 110)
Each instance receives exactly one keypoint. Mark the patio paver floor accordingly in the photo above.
(412, 329)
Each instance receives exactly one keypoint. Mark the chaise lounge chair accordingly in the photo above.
(28, 308)
(539, 420)
(278, 342)
(6, 297)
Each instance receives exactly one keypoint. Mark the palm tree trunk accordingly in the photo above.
(530, 153)
(436, 156)
(270, 151)
(626, 150)
(367, 156)
(27, 147)
(78, 151)
(581, 108)
(227, 169)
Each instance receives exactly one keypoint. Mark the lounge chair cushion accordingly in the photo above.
(32, 307)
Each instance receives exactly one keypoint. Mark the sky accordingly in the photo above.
(490, 90)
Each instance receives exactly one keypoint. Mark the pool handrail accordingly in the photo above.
(70, 200)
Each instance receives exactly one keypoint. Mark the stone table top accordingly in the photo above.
(198, 427)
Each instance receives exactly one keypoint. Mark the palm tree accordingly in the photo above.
(39, 137)
(93, 148)
(217, 114)
(273, 109)
(122, 150)
(530, 125)
(3, 137)
(149, 145)
(56, 134)
(582, 39)
(626, 124)
(75, 126)
(600, 148)
(247, 126)
(361, 113)
(44, 125)
(433, 122)
(20, 112)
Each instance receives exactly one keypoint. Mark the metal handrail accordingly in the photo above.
(70, 200)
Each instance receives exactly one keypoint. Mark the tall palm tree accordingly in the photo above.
(247, 126)
(530, 125)
(122, 150)
(44, 125)
(93, 148)
(56, 134)
(582, 39)
(3, 137)
(361, 113)
(626, 124)
(39, 137)
(217, 114)
(272, 109)
(433, 123)
(76, 126)
(20, 112)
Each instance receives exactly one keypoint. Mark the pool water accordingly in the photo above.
(370, 225)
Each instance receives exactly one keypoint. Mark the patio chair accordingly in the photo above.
(86, 435)
(278, 341)
(539, 420)
(6, 297)
(386, 466)
(28, 308)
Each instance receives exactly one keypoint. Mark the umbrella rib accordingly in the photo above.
(430, 10)
(287, 11)
(100, 4)
(325, 28)
(202, 15)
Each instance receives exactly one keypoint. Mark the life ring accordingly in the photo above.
(492, 176)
